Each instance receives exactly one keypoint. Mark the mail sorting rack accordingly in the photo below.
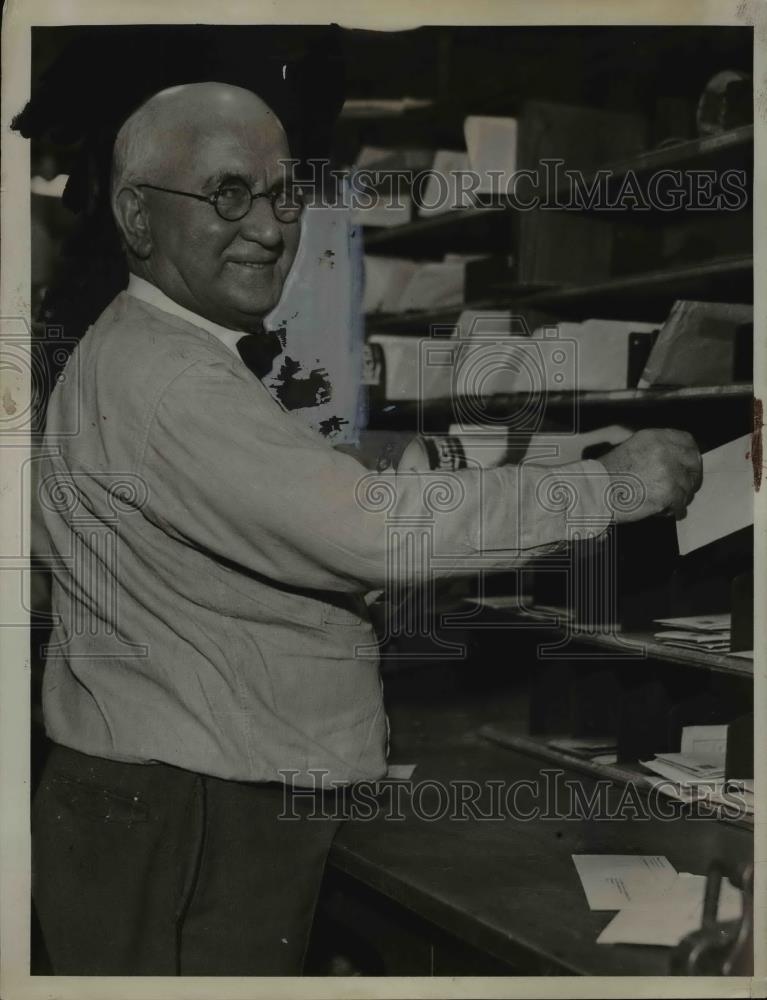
(567, 682)
(596, 646)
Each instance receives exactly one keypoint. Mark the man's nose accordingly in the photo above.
(260, 224)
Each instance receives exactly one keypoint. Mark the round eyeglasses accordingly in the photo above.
(233, 200)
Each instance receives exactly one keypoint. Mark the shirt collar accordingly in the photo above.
(144, 290)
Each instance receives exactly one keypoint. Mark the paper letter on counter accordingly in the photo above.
(613, 881)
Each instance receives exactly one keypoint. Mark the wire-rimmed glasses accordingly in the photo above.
(233, 199)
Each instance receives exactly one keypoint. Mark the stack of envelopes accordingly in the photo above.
(707, 632)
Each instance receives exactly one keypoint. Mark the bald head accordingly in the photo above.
(168, 127)
(177, 160)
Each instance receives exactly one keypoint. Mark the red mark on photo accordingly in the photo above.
(756, 443)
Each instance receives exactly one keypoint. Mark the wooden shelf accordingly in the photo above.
(443, 412)
(623, 645)
(420, 320)
(684, 153)
(727, 149)
(378, 236)
(624, 773)
(652, 293)
(645, 296)
(479, 230)
(692, 151)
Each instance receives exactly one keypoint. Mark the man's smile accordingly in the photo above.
(254, 263)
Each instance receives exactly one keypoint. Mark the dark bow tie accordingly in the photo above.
(258, 351)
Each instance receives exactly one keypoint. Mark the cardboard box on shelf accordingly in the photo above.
(699, 344)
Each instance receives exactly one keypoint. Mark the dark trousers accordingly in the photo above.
(153, 870)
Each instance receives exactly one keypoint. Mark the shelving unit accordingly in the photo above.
(654, 292)
(620, 645)
(606, 109)
(706, 153)
(646, 296)
(377, 238)
(622, 774)
(683, 254)
(438, 414)
(714, 150)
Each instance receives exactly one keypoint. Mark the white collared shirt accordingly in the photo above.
(142, 289)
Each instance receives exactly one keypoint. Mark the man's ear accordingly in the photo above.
(133, 221)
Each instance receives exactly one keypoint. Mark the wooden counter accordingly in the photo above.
(508, 888)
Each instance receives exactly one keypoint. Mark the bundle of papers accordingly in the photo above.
(729, 796)
(699, 623)
(717, 642)
(657, 905)
(709, 632)
(688, 793)
(434, 285)
(599, 750)
(380, 183)
(394, 284)
(385, 280)
(444, 190)
(685, 770)
(742, 789)
(697, 771)
(384, 211)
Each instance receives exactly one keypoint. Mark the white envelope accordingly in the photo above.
(673, 917)
(613, 881)
(725, 501)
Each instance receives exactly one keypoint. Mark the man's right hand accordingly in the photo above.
(666, 462)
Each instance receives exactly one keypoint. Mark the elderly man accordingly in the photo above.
(211, 557)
